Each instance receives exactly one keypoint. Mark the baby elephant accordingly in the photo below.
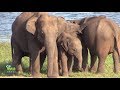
(69, 46)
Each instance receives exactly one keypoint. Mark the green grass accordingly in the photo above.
(5, 59)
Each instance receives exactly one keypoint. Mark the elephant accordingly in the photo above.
(20, 45)
(101, 36)
(69, 46)
(47, 29)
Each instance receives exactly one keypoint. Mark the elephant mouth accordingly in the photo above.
(72, 52)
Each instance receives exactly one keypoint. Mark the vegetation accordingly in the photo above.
(6, 71)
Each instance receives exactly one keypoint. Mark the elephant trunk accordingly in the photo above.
(78, 58)
(50, 45)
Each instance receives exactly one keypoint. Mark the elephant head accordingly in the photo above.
(71, 44)
(72, 31)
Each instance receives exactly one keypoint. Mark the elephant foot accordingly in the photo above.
(78, 70)
(81, 70)
(75, 69)
(69, 72)
(65, 75)
(93, 70)
(116, 71)
(53, 76)
(36, 76)
(85, 68)
(60, 72)
(100, 71)
(19, 73)
(30, 69)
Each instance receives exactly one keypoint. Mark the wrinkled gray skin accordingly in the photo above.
(48, 29)
(25, 44)
(102, 37)
(69, 46)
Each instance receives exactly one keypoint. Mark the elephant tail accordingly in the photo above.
(117, 43)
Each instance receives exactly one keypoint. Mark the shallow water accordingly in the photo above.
(7, 18)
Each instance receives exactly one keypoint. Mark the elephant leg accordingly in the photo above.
(76, 65)
(102, 48)
(60, 67)
(34, 50)
(64, 63)
(101, 62)
(17, 56)
(35, 60)
(42, 59)
(35, 63)
(59, 62)
(116, 61)
(18, 65)
(93, 67)
(55, 72)
(85, 59)
(70, 63)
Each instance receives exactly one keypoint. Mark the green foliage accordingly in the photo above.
(5, 59)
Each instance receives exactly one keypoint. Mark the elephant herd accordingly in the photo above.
(64, 42)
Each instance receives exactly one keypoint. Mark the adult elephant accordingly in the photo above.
(47, 29)
(20, 45)
(102, 37)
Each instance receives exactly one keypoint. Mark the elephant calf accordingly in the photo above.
(69, 46)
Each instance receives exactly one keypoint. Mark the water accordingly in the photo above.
(7, 18)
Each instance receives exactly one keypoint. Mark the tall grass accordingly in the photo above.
(5, 59)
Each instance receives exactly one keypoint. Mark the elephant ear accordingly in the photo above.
(83, 26)
(65, 44)
(83, 23)
(30, 25)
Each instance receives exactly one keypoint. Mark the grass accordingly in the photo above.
(5, 59)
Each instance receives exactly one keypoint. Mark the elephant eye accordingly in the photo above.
(42, 32)
(57, 33)
(73, 21)
(75, 49)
